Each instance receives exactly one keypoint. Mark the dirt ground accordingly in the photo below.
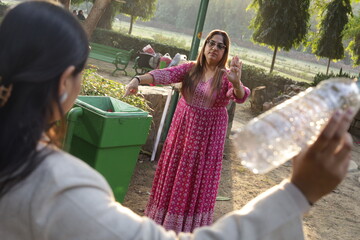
(336, 217)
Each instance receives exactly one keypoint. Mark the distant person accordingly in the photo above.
(47, 194)
(81, 15)
(74, 12)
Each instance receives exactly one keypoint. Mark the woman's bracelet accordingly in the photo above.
(137, 78)
(241, 85)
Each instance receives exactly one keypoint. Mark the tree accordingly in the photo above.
(354, 49)
(108, 17)
(107, 13)
(143, 9)
(352, 32)
(94, 16)
(280, 23)
(329, 41)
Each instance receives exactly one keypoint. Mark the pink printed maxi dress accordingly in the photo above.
(188, 172)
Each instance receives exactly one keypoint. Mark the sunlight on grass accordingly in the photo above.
(150, 32)
(295, 69)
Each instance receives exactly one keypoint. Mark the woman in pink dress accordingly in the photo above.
(188, 172)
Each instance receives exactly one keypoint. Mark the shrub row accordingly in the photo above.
(253, 77)
(322, 76)
(95, 85)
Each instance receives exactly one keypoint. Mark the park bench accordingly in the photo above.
(120, 58)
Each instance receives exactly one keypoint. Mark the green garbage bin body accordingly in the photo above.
(108, 136)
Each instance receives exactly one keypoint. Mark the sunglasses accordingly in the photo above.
(212, 43)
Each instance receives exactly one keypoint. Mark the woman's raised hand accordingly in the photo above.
(234, 75)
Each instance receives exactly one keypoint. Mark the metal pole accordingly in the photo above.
(192, 56)
(158, 136)
(198, 29)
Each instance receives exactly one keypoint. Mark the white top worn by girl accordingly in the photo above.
(65, 199)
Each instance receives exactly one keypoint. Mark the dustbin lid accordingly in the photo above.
(109, 107)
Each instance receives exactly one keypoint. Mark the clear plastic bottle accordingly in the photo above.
(280, 133)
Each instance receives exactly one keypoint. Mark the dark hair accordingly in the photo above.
(191, 81)
(38, 41)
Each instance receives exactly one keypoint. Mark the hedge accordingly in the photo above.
(127, 42)
(253, 77)
(322, 76)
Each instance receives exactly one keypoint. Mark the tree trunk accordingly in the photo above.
(107, 18)
(66, 3)
(94, 16)
(131, 24)
(328, 66)
(273, 59)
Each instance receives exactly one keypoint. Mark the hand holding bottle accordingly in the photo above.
(281, 133)
(322, 166)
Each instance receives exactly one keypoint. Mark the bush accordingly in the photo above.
(95, 85)
(321, 76)
(253, 77)
(127, 42)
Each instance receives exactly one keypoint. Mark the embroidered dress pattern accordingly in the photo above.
(188, 172)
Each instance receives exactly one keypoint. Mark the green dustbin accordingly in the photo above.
(107, 134)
